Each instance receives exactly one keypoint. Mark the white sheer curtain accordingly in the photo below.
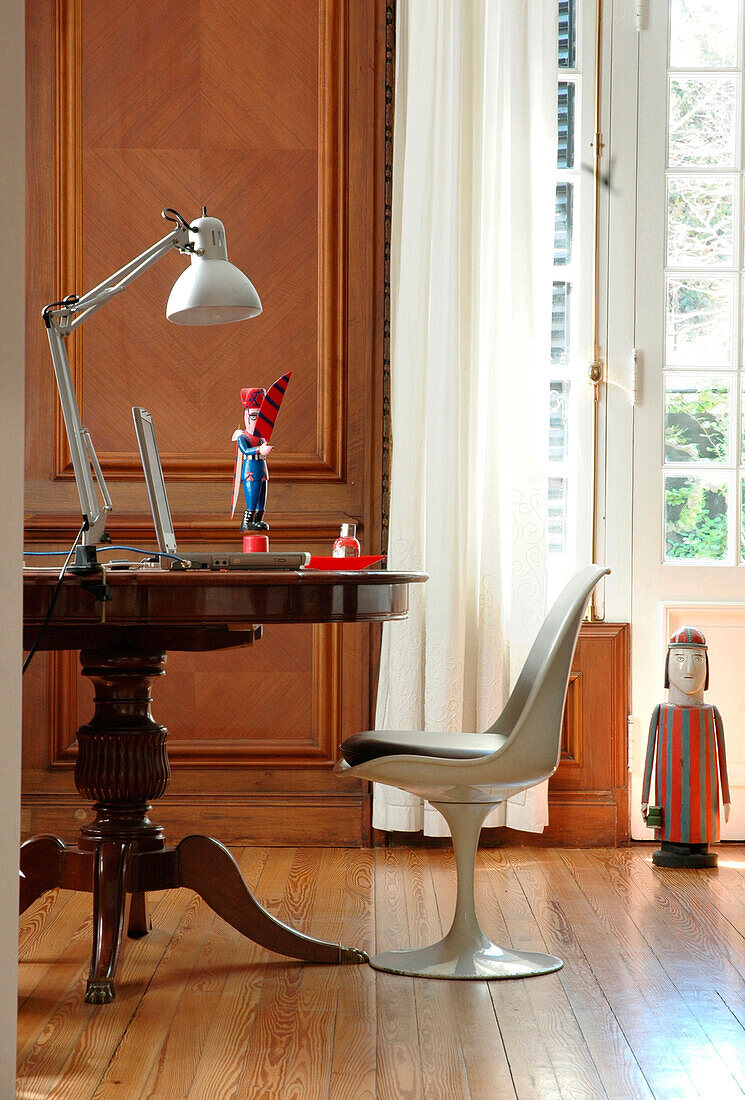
(472, 246)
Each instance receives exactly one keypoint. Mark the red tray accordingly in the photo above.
(361, 562)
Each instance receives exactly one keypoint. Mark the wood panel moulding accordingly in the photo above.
(315, 746)
(278, 125)
(296, 528)
(75, 192)
(571, 734)
(588, 796)
(298, 819)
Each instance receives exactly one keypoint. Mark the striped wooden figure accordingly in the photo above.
(686, 749)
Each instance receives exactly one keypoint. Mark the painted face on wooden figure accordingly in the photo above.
(250, 416)
(687, 668)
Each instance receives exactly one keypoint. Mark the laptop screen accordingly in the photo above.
(156, 486)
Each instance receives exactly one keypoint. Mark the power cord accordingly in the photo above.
(104, 549)
(55, 594)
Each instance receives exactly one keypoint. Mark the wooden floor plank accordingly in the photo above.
(487, 1068)
(573, 1065)
(677, 1032)
(310, 1057)
(43, 983)
(183, 1050)
(54, 967)
(226, 1045)
(611, 1053)
(673, 912)
(40, 915)
(73, 1051)
(694, 949)
(443, 1069)
(522, 1065)
(469, 1003)
(353, 1068)
(140, 1050)
(40, 959)
(637, 1016)
(276, 1015)
(398, 1069)
(650, 1002)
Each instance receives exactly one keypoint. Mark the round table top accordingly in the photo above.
(200, 609)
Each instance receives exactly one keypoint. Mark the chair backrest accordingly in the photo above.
(532, 717)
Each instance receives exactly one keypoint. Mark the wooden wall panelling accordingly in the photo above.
(277, 125)
(588, 796)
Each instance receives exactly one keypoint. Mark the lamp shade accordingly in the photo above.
(211, 291)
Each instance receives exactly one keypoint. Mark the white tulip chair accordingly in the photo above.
(465, 775)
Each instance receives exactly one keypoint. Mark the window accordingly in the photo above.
(570, 395)
(703, 467)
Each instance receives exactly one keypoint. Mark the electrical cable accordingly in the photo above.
(55, 594)
(104, 549)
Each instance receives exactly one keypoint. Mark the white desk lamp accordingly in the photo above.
(211, 291)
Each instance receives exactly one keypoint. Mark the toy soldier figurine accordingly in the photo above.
(686, 748)
(252, 447)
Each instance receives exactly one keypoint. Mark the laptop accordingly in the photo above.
(161, 512)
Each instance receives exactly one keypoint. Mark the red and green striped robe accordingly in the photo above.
(686, 747)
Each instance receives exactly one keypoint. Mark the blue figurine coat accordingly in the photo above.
(254, 475)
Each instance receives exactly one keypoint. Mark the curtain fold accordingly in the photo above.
(474, 158)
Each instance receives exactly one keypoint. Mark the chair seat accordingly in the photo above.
(372, 744)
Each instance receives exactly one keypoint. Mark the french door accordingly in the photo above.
(689, 424)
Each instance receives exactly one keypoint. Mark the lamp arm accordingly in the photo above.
(61, 319)
(71, 313)
(82, 450)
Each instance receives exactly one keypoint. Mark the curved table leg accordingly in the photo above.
(109, 917)
(139, 918)
(207, 867)
(40, 867)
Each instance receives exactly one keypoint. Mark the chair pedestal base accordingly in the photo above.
(465, 952)
(446, 959)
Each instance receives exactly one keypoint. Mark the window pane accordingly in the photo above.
(702, 121)
(557, 515)
(703, 33)
(695, 518)
(567, 34)
(697, 418)
(560, 324)
(558, 431)
(563, 228)
(700, 221)
(566, 118)
(699, 322)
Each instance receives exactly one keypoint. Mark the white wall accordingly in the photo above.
(12, 232)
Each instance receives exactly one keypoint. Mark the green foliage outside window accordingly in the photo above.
(697, 422)
(695, 520)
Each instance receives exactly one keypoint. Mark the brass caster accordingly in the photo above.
(352, 956)
(100, 992)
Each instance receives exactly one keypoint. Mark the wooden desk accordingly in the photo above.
(122, 763)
